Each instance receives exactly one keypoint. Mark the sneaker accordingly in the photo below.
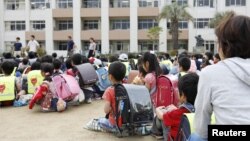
(157, 136)
(93, 125)
(97, 97)
(89, 101)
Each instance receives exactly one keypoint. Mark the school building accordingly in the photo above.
(116, 25)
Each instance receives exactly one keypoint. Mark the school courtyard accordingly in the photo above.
(22, 124)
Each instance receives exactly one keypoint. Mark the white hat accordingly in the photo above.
(123, 57)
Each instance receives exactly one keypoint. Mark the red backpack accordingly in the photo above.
(166, 92)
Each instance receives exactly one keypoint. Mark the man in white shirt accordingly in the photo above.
(33, 44)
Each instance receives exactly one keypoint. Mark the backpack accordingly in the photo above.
(66, 86)
(166, 91)
(122, 111)
(87, 75)
(186, 127)
(103, 82)
(134, 110)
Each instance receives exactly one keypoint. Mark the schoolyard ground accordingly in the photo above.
(22, 124)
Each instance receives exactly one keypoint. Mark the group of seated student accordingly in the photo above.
(149, 69)
(196, 77)
(210, 84)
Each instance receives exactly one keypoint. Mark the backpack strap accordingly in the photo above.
(120, 104)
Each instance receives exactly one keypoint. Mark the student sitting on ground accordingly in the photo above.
(45, 94)
(153, 69)
(169, 117)
(117, 71)
(7, 85)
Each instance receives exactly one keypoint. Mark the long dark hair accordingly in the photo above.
(153, 63)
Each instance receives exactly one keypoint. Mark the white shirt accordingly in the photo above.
(33, 45)
(92, 46)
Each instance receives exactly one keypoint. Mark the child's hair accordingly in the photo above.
(8, 67)
(142, 71)
(153, 63)
(217, 56)
(57, 64)
(48, 70)
(76, 59)
(25, 61)
(47, 59)
(188, 86)
(118, 70)
(36, 66)
(31, 55)
(54, 55)
(209, 55)
(164, 69)
(185, 63)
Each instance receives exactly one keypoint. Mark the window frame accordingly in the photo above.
(40, 24)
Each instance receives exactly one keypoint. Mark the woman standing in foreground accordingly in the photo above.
(224, 88)
(92, 47)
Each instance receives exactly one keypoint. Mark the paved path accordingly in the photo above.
(22, 124)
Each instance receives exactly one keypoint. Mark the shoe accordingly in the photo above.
(93, 125)
(97, 97)
(89, 101)
(157, 136)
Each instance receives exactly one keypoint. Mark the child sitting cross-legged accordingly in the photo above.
(45, 94)
(117, 71)
(169, 118)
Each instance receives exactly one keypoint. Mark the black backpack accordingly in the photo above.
(122, 112)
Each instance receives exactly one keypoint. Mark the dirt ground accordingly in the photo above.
(22, 124)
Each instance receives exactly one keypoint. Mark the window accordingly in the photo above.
(146, 23)
(65, 3)
(119, 3)
(210, 46)
(15, 25)
(37, 25)
(119, 24)
(145, 46)
(90, 24)
(119, 46)
(61, 45)
(182, 25)
(91, 3)
(14, 4)
(235, 2)
(39, 4)
(148, 3)
(202, 23)
(65, 25)
(204, 3)
(181, 2)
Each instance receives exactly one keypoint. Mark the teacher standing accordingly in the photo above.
(92, 47)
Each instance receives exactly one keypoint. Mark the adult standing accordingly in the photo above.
(17, 47)
(70, 47)
(92, 47)
(33, 44)
(224, 88)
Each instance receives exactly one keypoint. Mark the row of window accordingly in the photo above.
(44, 4)
(123, 24)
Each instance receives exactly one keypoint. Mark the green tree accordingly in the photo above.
(174, 13)
(154, 32)
(218, 17)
